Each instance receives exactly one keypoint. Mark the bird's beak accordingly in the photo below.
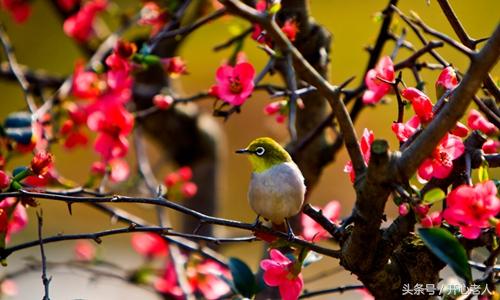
(243, 151)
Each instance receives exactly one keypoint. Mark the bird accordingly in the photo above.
(277, 189)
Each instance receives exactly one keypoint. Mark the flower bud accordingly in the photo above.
(404, 209)
(189, 189)
(163, 102)
(185, 173)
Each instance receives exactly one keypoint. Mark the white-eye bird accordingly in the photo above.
(277, 188)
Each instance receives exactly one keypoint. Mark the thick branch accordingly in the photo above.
(425, 143)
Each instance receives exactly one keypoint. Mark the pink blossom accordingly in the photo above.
(186, 173)
(422, 105)
(80, 25)
(149, 244)
(471, 207)
(84, 250)
(406, 130)
(447, 80)
(67, 5)
(365, 145)
(311, 230)
(19, 9)
(167, 284)
(189, 189)
(440, 163)
(206, 277)
(41, 163)
(4, 180)
(174, 66)
(431, 220)
(234, 85)
(113, 125)
(376, 89)
(119, 170)
(290, 29)
(151, 14)
(476, 121)
(366, 295)
(18, 220)
(491, 146)
(460, 130)
(86, 84)
(403, 209)
(8, 287)
(279, 271)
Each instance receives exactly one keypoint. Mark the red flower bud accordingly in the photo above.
(171, 179)
(404, 209)
(41, 163)
(422, 209)
(189, 189)
(163, 102)
(98, 168)
(185, 173)
(4, 180)
(426, 222)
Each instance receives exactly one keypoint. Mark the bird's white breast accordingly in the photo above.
(278, 192)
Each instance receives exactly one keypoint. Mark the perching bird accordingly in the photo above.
(277, 188)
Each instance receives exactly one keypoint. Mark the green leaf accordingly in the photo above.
(448, 249)
(433, 196)
(482, 172)
(244, 280)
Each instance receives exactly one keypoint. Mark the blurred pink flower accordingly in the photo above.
(471, 207)
(278, 271)
(206, 277)
(149, 244)
(18, 219)
(119, 170)
(19, 9)
(311, 230)
(376, 89)
(84, 250)
(80, 25)
(167, 283)
(234, 85)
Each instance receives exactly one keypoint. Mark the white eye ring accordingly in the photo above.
(260, 151)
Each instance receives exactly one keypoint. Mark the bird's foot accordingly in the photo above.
(290, 234)
(257, 222)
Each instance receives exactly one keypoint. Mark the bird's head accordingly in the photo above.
(265, 153)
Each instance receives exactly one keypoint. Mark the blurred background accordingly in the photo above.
(41, 44)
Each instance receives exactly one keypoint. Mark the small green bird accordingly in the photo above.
(277, 188)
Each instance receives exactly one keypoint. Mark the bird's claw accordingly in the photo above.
(256, 223)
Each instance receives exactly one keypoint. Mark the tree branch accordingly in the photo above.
(425, 143)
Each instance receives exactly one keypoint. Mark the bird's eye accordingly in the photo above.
(260, 151)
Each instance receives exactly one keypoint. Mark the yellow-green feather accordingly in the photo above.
(274, 154)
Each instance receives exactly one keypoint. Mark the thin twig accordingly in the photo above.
(182, 209)
(14, 67)
(292, 105)
(339, 289)
(234, 39)
(187, 29)
(40, 241)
